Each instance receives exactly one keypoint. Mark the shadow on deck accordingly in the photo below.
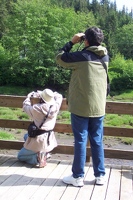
(22, 181)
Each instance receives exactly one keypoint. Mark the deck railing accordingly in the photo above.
(122, 108)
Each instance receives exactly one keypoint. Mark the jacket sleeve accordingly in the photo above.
(68, 59)
(58, 99)
(27, 107)
(67, 47)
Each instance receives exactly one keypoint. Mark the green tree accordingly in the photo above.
(121, 73)
(3, 14)
(124, 41)
(4, 65)
(77, 5)
(5, 8)
(35, 31)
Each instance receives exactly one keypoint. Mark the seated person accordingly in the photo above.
(44, 114)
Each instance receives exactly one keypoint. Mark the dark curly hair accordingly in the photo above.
(94, 35)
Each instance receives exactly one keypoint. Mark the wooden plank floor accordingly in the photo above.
(21, 181)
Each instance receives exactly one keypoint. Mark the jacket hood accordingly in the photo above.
(99, 50)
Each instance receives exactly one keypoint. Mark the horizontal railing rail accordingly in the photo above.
(121, 108)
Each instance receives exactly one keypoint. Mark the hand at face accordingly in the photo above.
(77, 38)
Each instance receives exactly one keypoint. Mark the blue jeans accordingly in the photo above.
(26, 155)
(85, 128)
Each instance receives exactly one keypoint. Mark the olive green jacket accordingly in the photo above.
(88, 84)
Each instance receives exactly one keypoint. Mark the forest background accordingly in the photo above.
(32, 31)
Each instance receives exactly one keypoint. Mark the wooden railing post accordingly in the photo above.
(88, 153)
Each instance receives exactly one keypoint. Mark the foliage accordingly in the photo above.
(13, 114)
(6, 136)
(5, 8)
(121, 72)
(31, 32)
(128, 141)
(15, 90)
(124, 40)
(119, 120)
(64, 117)
(4, 63)
(35, 32)
(78, 5)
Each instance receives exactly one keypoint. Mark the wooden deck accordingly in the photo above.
(21, 181)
